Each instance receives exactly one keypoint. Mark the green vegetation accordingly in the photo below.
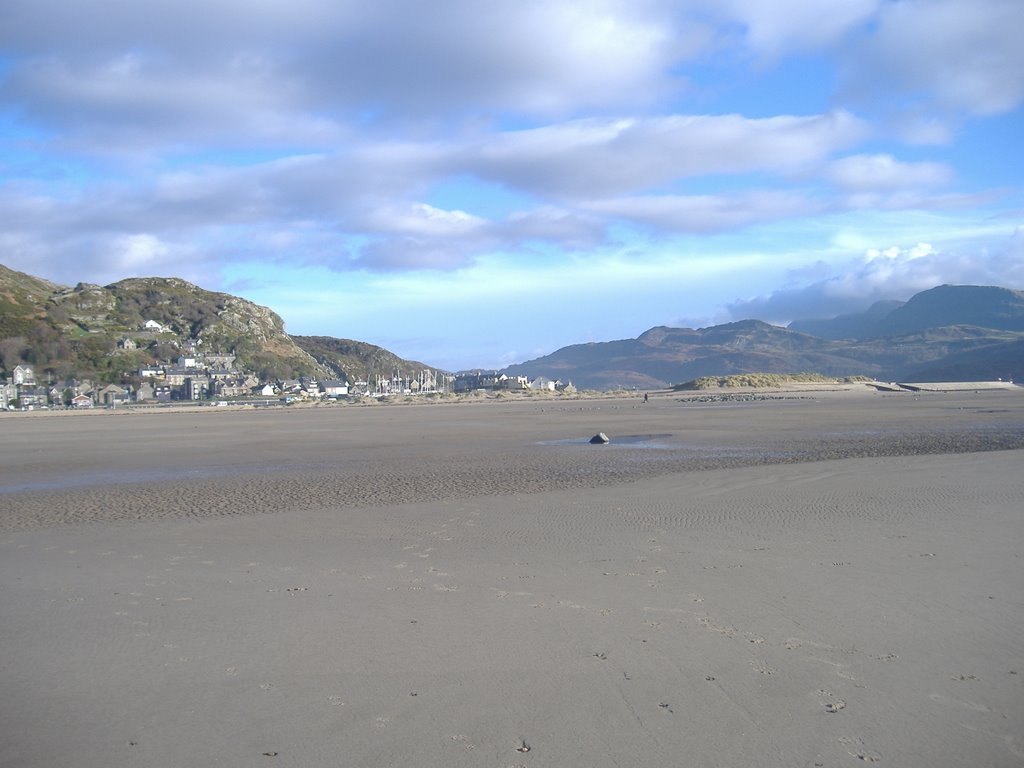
(74, 332)
(765, 380)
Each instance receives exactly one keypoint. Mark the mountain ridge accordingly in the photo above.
(926, 336)
(984, 306)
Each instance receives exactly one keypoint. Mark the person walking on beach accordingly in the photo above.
(645, 397)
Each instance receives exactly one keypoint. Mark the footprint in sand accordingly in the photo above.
(858, 751)
(464, 741)
(867, 757)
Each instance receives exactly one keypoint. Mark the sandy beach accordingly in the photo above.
(807, 578)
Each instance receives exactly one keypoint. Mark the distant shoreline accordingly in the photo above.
(867, 388)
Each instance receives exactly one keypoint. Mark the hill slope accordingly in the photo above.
(22, 301)
(76, 331)
(355, 360)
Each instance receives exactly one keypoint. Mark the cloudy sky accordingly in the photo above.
(479, 183)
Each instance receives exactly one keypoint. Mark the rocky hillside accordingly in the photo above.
(355, 360)
(79, 331)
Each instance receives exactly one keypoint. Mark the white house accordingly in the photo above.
(334, 388)
(22, 375)
(153, 325)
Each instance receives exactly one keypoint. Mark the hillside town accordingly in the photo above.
(208, 378)
(195, 376)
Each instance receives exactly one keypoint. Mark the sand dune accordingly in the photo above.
(830, 581)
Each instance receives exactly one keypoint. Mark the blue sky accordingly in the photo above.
(476, 184)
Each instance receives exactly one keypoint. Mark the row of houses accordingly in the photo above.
(157, 385)
(468, 382)
(23, 391)
(196, 376)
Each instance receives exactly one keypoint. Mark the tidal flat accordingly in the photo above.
(813, 578)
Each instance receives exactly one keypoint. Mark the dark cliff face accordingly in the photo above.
(981, 306)
(992, 307)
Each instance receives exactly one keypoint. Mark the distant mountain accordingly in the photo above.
(663, 356)
(962, 332)
(981, 306)
(80, 331)
(859, 325)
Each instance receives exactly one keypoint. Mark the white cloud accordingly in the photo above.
(593, 158)
(884, 173)
(166, 75)
(138, 254)
(774, 27)
(420, 220)
(706, 213)
(580, 173)
(959, 57)
(890, 272)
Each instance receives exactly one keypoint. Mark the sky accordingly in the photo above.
(474, 184)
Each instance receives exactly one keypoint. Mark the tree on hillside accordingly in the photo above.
(12, 352)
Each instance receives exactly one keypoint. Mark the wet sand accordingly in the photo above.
(812, 579)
